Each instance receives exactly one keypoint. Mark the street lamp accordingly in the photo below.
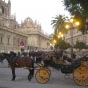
(72, 24)
(60, 35)
(53, 42)
(67, 26)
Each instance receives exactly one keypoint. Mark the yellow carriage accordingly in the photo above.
(80, 73)
(43, 74)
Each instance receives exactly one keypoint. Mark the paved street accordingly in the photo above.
(57, 80)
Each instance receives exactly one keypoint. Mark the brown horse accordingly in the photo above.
(15, 61)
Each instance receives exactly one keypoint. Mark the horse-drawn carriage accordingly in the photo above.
(79, 69)
(80, 74)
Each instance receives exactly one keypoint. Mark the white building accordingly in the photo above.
(77, 36)
(13, 34)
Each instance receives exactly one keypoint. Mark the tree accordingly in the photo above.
(58, 23)
(79, 9)
(59, 27)
(80, 45)
(61, 44)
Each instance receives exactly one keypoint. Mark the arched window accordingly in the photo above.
(2, 9)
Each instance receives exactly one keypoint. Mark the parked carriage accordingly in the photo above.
(79, 68)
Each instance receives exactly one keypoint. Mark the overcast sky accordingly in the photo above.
(40, 10)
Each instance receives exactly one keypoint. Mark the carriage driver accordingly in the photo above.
(47, 60)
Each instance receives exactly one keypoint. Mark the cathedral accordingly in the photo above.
(14, 36)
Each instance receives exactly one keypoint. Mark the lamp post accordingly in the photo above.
(72, 24)
(53, 42)
(86, 26)
(60, 35)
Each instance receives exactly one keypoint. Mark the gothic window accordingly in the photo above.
(1, 39)
(2, 9)
(15, 26)
(8, 40)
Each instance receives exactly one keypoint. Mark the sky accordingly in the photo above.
(41, 10)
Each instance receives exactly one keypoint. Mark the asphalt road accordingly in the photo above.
(57, 80)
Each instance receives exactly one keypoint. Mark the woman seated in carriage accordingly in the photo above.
(68, 60)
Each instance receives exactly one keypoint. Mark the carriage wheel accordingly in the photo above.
(48, 70)
(42, 76)
(84, 63)
(80, 76)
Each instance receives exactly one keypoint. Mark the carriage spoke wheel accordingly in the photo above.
(42, 76)
(48, 70)
(80, 76)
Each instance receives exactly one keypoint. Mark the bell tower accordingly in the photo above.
(5, 13)
(9, 7)
(5, 8)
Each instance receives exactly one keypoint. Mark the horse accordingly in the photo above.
(16, 61)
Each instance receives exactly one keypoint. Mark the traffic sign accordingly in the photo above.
(21, 43)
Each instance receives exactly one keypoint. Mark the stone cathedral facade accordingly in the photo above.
(13, 36)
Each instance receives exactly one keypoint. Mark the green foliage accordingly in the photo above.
(58, 24)
(80, 45)
(79, 9)
(61, 44)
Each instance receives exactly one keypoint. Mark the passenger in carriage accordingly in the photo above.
(38, 56)
(47, 60)
(73, 57)
(67, 59)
